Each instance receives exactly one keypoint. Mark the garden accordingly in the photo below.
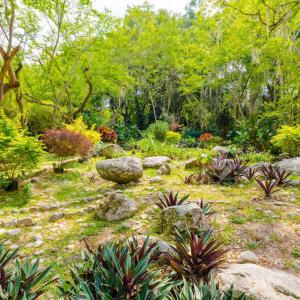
(136, 165)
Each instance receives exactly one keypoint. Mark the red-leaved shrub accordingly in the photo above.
(107, 135)
(205, 137)
(66, 143)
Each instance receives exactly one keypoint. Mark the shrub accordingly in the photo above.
(18, 152)
(159, 130)
(117, 271)
(65, 144)
(173, 137)
(288, 140)
(108, 135)
(195, 260)
(204, 137)
(21, 281)
(78, 126)
(256, 157)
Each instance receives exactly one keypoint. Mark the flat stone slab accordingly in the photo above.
(155, 161)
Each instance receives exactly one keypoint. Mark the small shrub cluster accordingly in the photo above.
(65, 143)
(107, 135)
(159, 130)
(205, 137)
(173, 137)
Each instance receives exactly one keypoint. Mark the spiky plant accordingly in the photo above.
(237, 167)
(117, 271)
(203, 291)
(267, 185)
(282, 176)
(21, 281)
(206, 208)
(250, 173)
(269, 171)
(195, 259)
(170, 199)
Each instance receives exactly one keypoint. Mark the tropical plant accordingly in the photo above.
(203, 291)
(282, 176)
(78, 126)
(107, 135)
(18, 152)
(206, 208)
(205, 137)
(250, 173)
(267, 185)
(65, 144)
(159, 130)
(117, 271)
(256, 157)
(287, 139)
(268, 171)
(173, 137)
(21, 281)
(167, 200)
(195, 259)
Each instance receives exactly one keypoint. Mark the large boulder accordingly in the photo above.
(290, 164)
(116, 207)
(193, 163)
(121, 170)
(180, 217)
(261, 283)
(221, 150)
(112, 150)
(155, 161)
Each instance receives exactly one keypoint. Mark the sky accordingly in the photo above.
(118, 7)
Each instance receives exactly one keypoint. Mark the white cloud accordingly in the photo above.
(118, 7)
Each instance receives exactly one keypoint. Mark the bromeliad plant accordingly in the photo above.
(197, 258)
(267, 185)
(250, 173)
(206, 208)
(168, 200)
(21, 281)
(117, 271)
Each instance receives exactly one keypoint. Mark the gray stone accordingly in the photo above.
(165, 169)
(180, 217)
(292, 164)
(13, 232)
(116, 207)
(221, 150)
(25, 222)
(193, 163)
(10, 223)
(112, 150)
(2, 231)
(121, 170)
(261, 283)
(155, 161)
(13, 247)
(34, 180)
(155, 179)
(56, 217)
(248, 257)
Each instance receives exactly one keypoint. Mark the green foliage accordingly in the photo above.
(288, 139)
(21, 281)
(159, 130)
(173, 137)
(256, 157)
(18, 152)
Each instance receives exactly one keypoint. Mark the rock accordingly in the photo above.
(13, 232)
(10, 223)
(248, 257)
(165, 169)
(155, 161)
(34, 180)
(2, 231)
(260, 282)
(155, 179)
(259, 165)
(25, 222)
(193, 163)
(116, 207)
(292, 164)
(38, 252)
(180, 216)
(112, 150)
(294, 182)
(13, 247)
(221, 150)
(56, 217)
(121, 170)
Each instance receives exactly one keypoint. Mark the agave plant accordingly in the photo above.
(237, 167)
(21, 281)
(195, 260)
(206, 208)
(267, 185)
(203, 291)
(250, 173)
(282, 176)
(117, 271)
(269, 171)
(168, 200)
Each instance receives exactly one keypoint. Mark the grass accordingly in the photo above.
(296, 252)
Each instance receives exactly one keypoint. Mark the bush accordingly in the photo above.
(18, 152)
(204, 137)
(173, 137)
(21, 281)
(127, 133)
(159, 130)
(288, 140)
(66, 143)
(256, 157)
(108, 135)
(78, 126)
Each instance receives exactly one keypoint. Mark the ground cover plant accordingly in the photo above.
(149, 153)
